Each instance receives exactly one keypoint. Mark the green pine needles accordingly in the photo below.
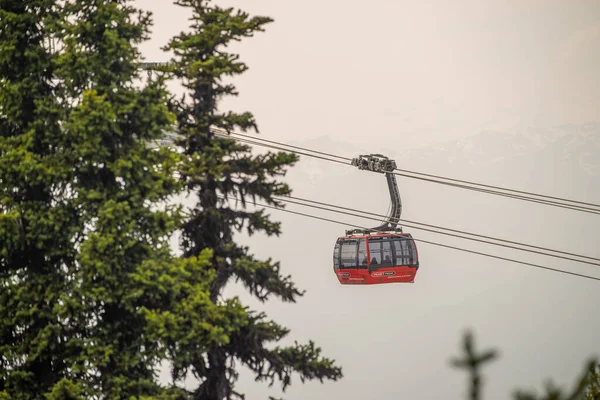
(213, 167)
(93, 300)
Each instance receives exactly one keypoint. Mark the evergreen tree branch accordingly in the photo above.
(212, 168)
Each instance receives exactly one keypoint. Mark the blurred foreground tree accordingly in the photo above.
(593, 390)
(214, 168)
(586, 387)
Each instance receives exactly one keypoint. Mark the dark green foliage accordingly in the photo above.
(91, 297)
(593, 390)
(118, 182)
(86, 274)
(213, 168)
(35, 227)
(585, 388)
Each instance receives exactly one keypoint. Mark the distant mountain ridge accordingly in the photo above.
(561, 143)
(559, 160)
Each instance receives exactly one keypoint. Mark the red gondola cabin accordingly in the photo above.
(377, 255)
(375, 258)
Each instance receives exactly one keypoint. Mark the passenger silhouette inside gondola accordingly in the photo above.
(374, 260)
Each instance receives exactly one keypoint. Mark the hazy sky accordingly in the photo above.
(406, 74)
(418, 71)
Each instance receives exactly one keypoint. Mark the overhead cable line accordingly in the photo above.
(488, 191)
(424, 241)
(517, 194)
(563, 203)
(596, 206)
(356, 213)
(448, 229)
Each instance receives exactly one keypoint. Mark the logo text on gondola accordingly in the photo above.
(386, 273)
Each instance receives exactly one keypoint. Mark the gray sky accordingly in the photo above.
(420, 75)
(413, 71)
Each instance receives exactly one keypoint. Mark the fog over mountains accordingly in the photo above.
(500, 158)
(393, 341)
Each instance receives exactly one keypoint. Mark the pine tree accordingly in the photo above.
(593, 388)
(125, 273)
(36, 228)
(586, 386)
(88, 280)
(214, 168)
